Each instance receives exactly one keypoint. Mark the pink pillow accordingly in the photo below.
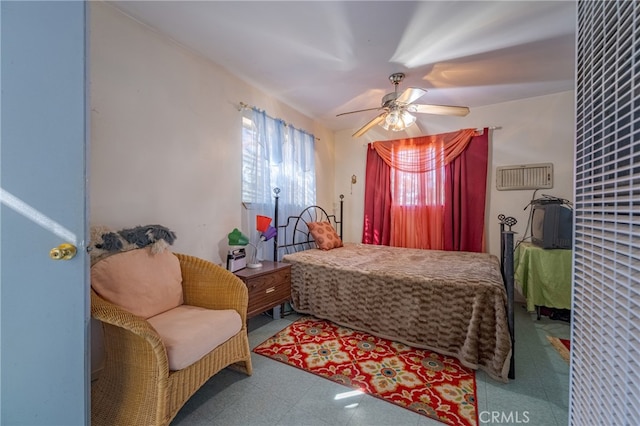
(325, 236)
(139, 281)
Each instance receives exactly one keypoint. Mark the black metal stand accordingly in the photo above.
(506, 259)
(276, 192)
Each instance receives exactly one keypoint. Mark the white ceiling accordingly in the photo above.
(328, 57)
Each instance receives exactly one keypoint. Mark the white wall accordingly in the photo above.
(535, 130)
(166, 136)
(165, 143)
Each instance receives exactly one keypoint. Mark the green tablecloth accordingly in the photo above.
(543, 276)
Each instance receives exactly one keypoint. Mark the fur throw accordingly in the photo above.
(105, 242)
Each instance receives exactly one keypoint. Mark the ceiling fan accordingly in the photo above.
(397, 108)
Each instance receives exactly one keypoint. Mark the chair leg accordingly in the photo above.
(242, 367)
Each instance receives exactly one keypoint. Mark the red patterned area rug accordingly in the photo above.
(430, 384)
(563, 346)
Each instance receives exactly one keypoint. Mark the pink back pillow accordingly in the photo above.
(139, 281)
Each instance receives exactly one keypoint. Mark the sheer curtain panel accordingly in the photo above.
(275, 155)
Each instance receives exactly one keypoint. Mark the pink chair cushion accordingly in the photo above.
(191, 332)
(139, 281)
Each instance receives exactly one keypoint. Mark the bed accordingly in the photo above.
(455, 303)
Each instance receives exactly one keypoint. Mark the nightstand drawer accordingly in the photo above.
(266, 283)
(268, 298)
(268, 286)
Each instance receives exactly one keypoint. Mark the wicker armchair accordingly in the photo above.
(136, 386)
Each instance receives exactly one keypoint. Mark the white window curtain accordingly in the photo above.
(275, 155)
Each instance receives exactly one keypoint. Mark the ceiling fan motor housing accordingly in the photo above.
(389, 98)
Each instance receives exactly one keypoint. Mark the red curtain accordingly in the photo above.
(377, 200)
(462, 218)
(465, 197)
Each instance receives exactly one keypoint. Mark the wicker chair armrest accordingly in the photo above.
(108, 313)
(208, 285)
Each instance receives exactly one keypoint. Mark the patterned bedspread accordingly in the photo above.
(453, 303)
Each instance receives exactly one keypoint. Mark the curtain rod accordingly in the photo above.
(243, 106)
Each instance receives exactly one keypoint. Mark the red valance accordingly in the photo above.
(424, 159)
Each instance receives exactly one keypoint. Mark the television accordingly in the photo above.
(552, 225)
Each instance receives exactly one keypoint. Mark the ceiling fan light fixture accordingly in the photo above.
(397, 121)
(392, 118)
(408, 119)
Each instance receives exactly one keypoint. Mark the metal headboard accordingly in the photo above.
(294, 235)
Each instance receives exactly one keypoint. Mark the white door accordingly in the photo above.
(44, 306)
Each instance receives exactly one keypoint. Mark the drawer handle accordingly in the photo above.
(270, 290)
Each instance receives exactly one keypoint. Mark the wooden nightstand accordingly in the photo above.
(269, 286)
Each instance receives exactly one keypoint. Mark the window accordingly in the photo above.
(419, 188)
(276, 155)
(252, 171)
(416, 191)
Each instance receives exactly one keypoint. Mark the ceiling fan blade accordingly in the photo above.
(411, 95)
(370, 124)
(359, 110)
(460, 111)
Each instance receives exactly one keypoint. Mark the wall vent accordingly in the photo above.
(527, 176)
